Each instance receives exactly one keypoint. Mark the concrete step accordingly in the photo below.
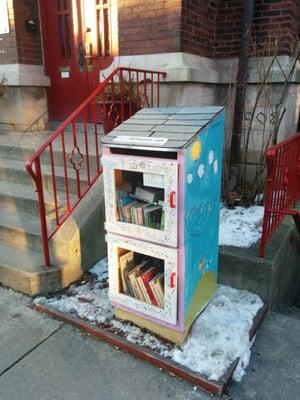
(16, 146)
(23, 198)
(23, 231)
(76, 246)
(14, 171)
(24, 270)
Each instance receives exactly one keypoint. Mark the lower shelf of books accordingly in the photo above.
(141, 277)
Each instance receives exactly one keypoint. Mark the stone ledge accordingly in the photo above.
(24, 75)
(275, 278)
(185, 67)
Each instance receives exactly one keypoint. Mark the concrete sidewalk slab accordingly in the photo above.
(71, 365)
(274, 370)
(21, 328)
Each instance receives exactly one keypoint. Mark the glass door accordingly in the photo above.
(141, 197)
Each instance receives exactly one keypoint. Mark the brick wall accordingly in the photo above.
(8, 45)
(276, 24)
(198, 26)
(20, 46)
(151, 26)
(210, 28)
(28, 43)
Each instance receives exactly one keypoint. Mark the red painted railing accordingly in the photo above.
(67, 165)
(282, 187)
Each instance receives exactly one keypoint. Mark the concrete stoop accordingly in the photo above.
(275, 278)
(76, 246)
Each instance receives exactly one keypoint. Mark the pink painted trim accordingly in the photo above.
(106, 151)
(176, 327)
(180, 254)
(181, 247)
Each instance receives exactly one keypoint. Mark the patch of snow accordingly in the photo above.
(240, 227)
(100, 269)
(219, 335)
(87, 300)
(259, 198)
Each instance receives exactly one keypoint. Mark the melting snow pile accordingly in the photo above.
(240, 227)
(219, 335)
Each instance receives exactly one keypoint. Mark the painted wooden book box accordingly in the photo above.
(162, 178)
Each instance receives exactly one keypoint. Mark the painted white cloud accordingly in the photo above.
(215, 166)
(201, 170)
(211, 157)
(189, 178)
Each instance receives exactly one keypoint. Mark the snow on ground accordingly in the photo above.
(219, 335)
(240, 227)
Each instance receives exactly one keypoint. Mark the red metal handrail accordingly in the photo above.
(282, 186)
(119, 96)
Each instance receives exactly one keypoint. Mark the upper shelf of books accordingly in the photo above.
(139, 204)
(163, 128)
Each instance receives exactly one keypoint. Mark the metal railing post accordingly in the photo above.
(42, 210)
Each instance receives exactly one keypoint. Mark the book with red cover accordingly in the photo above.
(146, 277)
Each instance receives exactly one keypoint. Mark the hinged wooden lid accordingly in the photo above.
(163, 128)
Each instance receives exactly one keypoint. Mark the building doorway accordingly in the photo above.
(79, 40)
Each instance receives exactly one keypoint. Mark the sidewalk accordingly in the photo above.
(42, 359)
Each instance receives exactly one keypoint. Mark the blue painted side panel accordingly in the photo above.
(203, 170)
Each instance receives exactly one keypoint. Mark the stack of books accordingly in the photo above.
(143, 207)
(142, 278)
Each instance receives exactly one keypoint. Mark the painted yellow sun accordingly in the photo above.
(196, 150)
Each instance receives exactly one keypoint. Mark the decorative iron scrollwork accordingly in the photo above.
(114, 115)
(76, 158)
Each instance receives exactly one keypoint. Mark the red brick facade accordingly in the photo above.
(210, 28)
(274, 21)
(21, 46)
(152, 26)
(198, 27)
(29, 43)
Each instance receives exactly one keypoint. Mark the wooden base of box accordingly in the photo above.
(167, 333)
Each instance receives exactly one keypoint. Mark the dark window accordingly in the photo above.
(64, 29)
